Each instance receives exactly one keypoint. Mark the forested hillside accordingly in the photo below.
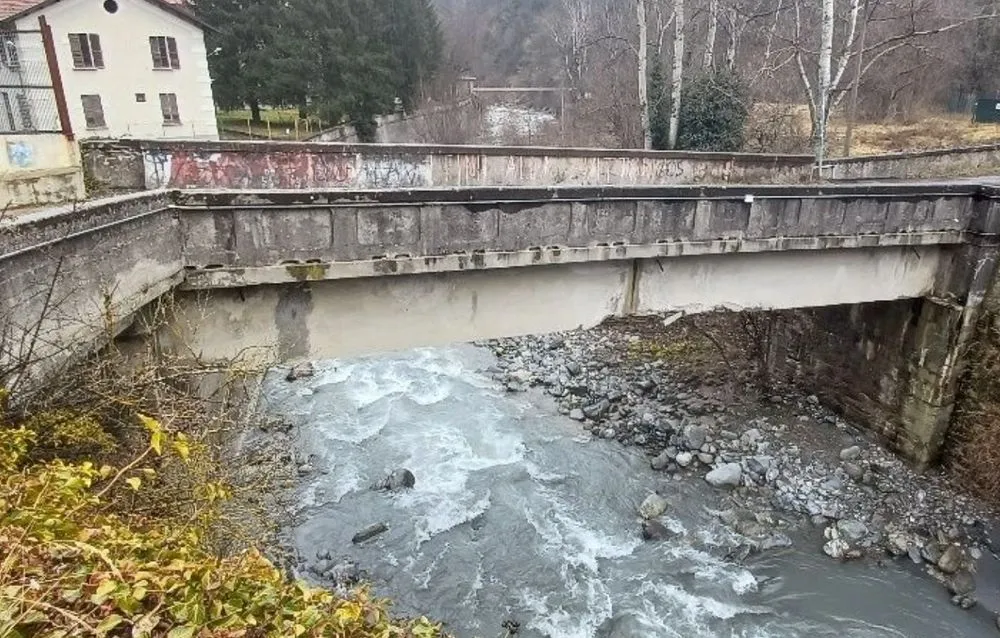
(912, 56)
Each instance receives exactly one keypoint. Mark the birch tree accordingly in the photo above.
(708, 61)
(643, 55)
(677, 73)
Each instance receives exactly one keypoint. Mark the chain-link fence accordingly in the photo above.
(27, 95)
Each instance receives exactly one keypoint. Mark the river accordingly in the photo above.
(516, 515)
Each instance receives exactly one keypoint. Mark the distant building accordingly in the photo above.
(126, 68)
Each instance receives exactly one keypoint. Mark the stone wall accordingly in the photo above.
(130, 165)
(427, 124)
(853, 357)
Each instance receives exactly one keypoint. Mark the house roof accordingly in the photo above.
(11, 10)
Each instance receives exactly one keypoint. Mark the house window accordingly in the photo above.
(168, 104)
(8, 51)
(164, 50)
(86, 48)
(140, 97)
(93, 111)
(24, 110)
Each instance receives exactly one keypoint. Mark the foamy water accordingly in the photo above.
(516, 516)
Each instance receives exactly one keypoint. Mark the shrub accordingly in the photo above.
(714, 112)
(78, 563)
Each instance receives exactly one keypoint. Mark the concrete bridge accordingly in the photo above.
(279, 275)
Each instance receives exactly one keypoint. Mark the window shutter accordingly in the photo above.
(175, 61)
(76, 46)
(95, 50)
(93, 111)
(24, 109)
(154, 49)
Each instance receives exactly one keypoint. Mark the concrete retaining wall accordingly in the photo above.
(956, 162)
(402, 128)
(39, 169)
(130, 165)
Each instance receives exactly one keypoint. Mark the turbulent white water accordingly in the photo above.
(517, 516)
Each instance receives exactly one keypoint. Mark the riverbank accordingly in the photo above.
(688, 395)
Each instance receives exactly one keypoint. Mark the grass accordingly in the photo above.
(936, 131)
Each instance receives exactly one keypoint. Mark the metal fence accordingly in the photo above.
(27, 93)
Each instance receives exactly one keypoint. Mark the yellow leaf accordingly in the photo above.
(108, 624)
(134, 482)
(184, 631)
(182, 447)
(156, 442)
(299, 629)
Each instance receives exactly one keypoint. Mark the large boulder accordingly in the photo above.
(300, 371)
(695, 436)
(655, 531)
(399, 479)
(727, 475)
(653, 507)
(951, 560)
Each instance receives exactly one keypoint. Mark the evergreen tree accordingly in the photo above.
(659, 106)
(714, 112)
(344, 60)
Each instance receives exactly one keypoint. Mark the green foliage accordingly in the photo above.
(714, 112)
(659, 106)
(341, 60)
(68, 434)
(75, 562)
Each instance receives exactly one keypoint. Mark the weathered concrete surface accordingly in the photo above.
(938, 163)
(73, 277)
(335, 318)
(147, 164)
(401, 128)
(39, 169)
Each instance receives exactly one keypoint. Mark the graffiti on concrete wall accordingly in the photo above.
(393, 172)
(20, 154)
(285, 170)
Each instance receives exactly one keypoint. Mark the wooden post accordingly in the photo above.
(56, 78)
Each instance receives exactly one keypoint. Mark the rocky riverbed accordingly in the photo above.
(778, 458)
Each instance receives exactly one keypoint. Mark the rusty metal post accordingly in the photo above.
(56, 78)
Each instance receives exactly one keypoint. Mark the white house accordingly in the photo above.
(127, 68)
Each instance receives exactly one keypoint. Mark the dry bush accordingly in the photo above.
(777, 128)
(972, 451)
(122, 512)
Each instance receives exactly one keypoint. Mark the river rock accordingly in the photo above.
(932, 553)
(852, 453)
(597, 410)
(852, 531)
(655, 531)
(854, 470)
(836, 548)
(951, 560)
(399, 479)
(706, 458)
(653, 506)
(694, 436)
(344, 573)
(962, 583)
(577, 414)
(661, 461)
(684, 458)
(369, 532)
(965, 602)
(300, 371)
(573, 368)
(727, 475)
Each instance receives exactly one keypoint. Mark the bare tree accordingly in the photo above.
(643, 53)
(708, 59)
(677, 73)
